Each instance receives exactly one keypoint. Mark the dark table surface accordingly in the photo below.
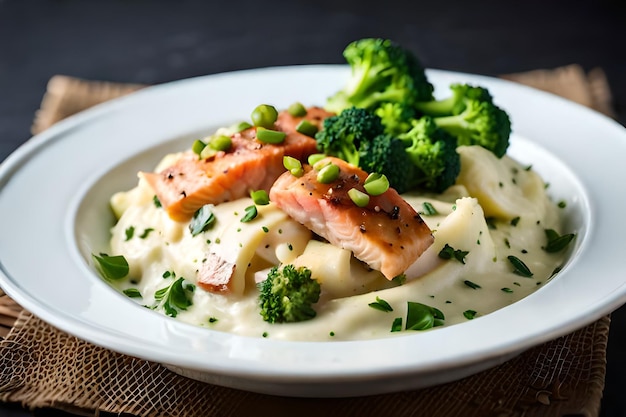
(153, 42)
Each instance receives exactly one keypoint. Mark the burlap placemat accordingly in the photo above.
(42, 367)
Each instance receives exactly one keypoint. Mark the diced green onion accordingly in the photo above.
(328, 174)
(241, 126)
(264, 115)
(270, 136)
(297, 109)
(429, 209)
(220, 142)
(376, 184)
(207, 152)
(358, 197)
(198, 146)
(260, 197)
(396, 326)
(293, 165)
(315, 158)
(306, 128)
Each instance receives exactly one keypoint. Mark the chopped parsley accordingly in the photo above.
(112, 267)
(470, 314)
(132, 293)
(251, 213)
(448, 252)
(422, 317)
(146, 232)
(130, 231)
(381, 305)
(173, 298)
(202, 220)
(428, 209)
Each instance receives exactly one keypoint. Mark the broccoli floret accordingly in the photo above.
(433, 151)
(471, 116)
(343, 134)
(381, 71)
(396, 117)
(288, 295)
(385, 154)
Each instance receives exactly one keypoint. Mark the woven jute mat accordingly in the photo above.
(42, 367)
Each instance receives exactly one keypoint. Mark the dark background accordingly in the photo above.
(153, 42)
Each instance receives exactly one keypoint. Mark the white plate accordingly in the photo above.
(54, 193)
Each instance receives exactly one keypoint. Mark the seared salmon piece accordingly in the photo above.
(387, 234)
(249, 164)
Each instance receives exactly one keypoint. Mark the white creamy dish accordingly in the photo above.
(493, 220)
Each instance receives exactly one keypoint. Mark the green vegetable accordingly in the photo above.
(472, 285)
(359, 198)
(129, 232)
(251, 213)
(270, 136)
(381, 305)
(315, 158)
(173, 298)
(433, 154)
(469, 314)
(381, 71)
(264, 115)
(344, 134)
(293, 165)
(112, 268)
(422, 317)
(471, 116)
(448, 252)
(429, 209)
(376, 184)
(556, 242)
(132, 293)
(260, 197)
(202, 220)
(198, 146)
(306, 128)
(288, 295)
(519, 266)
(220, 142)
(297, 109)
(328, 173)
(396, 326)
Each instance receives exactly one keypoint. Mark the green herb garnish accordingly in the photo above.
(251, 213)
(471, 284)
(112, 267)
(422, 317)
(132, 293)
(146, 233)
(556, 242)
(396, 326)
(381, 305)
(173, 298)
(520, 267)
(202, 220)
(448, 252)
(428, 209)
(469, 314)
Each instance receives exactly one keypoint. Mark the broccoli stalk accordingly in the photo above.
(471, 116)
(288, 295)
(381, 71)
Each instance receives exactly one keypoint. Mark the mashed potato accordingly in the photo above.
(494, 216)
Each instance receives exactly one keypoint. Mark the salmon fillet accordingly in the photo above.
(249, 164)
(387, 234)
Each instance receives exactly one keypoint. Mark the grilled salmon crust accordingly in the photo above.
(387, 234)
(249, 164)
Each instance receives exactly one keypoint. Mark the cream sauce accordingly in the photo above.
(512, 197)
